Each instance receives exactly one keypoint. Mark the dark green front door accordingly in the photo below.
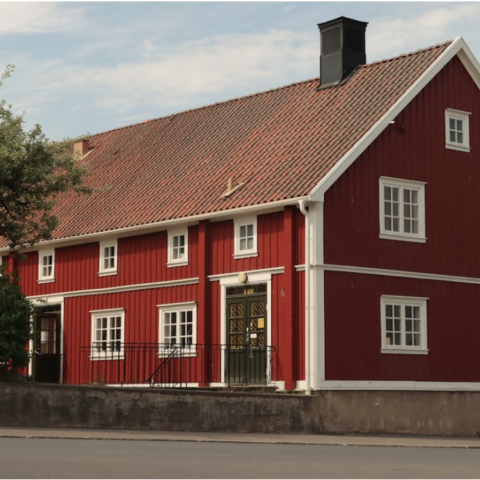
(246, 351)
(46, 352)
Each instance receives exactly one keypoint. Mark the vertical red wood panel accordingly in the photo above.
(299, 327)
(353, 332)
(413, 148)
(286, 300)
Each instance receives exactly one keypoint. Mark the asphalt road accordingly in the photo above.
(70, 458)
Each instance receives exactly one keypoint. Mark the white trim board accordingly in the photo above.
(163, 225)
(271, 271)
(458, 47)
(124, 288)
(399, 273)
(393, 273)
(397, 385)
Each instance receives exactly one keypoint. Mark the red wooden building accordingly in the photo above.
(316, 236)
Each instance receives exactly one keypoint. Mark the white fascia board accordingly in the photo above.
(459, 47)
(135, 230)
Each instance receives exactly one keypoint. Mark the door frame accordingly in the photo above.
(232, 280)
(49, 301)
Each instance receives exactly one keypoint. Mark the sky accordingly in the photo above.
(87, 67)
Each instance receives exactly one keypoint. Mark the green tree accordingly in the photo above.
(34, 171)
(15, 326)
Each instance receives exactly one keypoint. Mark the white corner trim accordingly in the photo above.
(457, 46)
(397, 385)
(125, 288)
(269, 271)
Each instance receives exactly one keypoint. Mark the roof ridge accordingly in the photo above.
(410, 54)
(264, 92)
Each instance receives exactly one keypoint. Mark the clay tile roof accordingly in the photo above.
(278, 143)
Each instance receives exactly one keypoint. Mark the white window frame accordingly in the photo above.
(453, 114)
(41, 255)
(242, 222)
(404, 302)
(107, 355)
(187, 351)
(102, 271)
(177, 262)
(403, 184)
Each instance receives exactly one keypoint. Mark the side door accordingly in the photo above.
(46, 348)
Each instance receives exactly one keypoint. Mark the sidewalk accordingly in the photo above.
(145, 435)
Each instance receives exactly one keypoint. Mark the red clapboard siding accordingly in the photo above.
(141, 259)
(353, 330)
(413, 148)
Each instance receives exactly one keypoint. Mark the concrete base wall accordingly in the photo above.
(373, 412)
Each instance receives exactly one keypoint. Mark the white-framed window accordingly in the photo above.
(108, 257)
(178, 247)
(108, 334)
(46, 266)
(245, 233)
(404, 325)
(178, 329)
(457, 130)
(402, 210)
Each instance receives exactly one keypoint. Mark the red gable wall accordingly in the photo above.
(452, 197)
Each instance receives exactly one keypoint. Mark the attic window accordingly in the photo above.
(108, 257)
(245, 237)
(457, 130)
(178, 248)
(46, 266)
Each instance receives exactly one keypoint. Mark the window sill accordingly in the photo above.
(46, 280)
(405, 351)
(245, 255)
(106, 274)
(177, 264)
(459, 148)
(120, 356)
(402, 238)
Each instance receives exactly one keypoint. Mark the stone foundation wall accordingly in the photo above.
(335, 412)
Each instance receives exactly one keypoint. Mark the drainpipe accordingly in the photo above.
(301, 204)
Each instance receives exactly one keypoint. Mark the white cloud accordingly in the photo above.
(179, 76)
(400, 35)
(38, 17)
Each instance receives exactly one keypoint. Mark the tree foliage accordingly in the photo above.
(15, 325)
(33, 172)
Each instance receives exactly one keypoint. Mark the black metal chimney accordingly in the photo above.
(343, 49)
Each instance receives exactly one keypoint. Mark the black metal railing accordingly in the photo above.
(165, 365)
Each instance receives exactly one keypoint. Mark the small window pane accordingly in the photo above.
(452, 124)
